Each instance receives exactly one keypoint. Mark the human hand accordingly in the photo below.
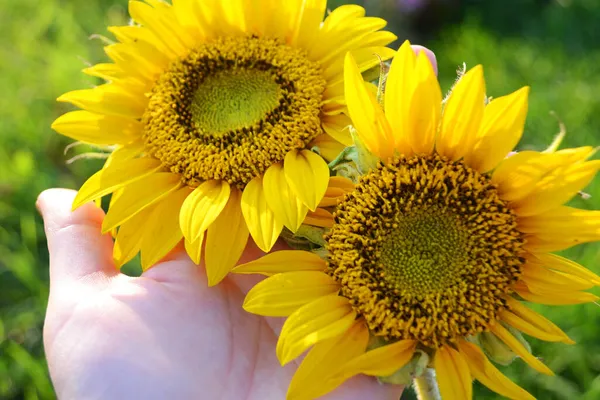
(164, 335)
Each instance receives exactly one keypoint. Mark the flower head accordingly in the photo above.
(430, 256)
(214, 107)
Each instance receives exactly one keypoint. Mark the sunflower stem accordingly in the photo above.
(426, 386)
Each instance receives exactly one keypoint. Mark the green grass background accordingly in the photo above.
(550, 45)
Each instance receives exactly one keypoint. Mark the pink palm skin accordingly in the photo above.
(164, 335)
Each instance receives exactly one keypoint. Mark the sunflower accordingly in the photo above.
(432, 254)
(214, 108)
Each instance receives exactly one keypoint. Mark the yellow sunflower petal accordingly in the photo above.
(282, 294)
(131, 34)
(563, 224)
(321, 319)
(125, 152)
(320, 217)
(106, 71)
(345, 13)
(462, 115)
(337, 188)
(282, 261)
(336, 126)
(517, 175)
(501, 130)
(133, 58)
(149, 17)
(536, 244)
(562, 264)
(562, 294)
(563, 219)
(185, 12)
(400, 86)
(329, 148)
(139, 195)
(284, 203)
(194, 249)
(315, 375)
(307, 175)
(97, 128)
(162, 231)
(235, 15)
(128, 240)
(365, 58)
(557, 189)
(536, 319)
(425, 107)
(335, 22)
(364, 37)
(485, 372)
(355, 35)
(114, 197)
(533, 273)
(257, 18)
(367, 116)
(276, 19)
(519, 323)
(452, 373)
(503, 334)
(114, 177)
(110, 99)
(145, 43)
(260, 219)
(202, 207)
(226, 239)
(549, 296)
(311, 15)
(382, 361)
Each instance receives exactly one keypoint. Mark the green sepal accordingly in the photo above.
(414, 369)
(307, 237)
(364, 160)
(375, 73)
(495, 348)
(519, 336)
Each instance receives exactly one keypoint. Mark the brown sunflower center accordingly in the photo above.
(425, 249)
(233, 107)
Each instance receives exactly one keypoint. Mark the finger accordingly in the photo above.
(430, 54)
(78, 250)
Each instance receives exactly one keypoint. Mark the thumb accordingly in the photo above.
(78, 250)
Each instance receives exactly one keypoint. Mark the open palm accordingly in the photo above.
(164, 335)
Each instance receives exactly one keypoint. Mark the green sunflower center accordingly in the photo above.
(424, 252)
(230, 100)
(425, 249)
(233, 107)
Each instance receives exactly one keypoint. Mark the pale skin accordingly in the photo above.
(164, 335)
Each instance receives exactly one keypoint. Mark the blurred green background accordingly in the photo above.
(550, 45)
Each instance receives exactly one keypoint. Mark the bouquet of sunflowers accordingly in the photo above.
(416, 233)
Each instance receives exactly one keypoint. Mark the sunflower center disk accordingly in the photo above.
(233, 107)
(231, 100)
(424, 252)
(425, 249)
